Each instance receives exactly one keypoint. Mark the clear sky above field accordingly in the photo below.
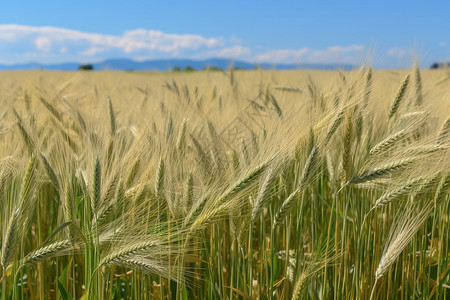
(384, 33)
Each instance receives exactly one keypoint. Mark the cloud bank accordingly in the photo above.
(46, 44)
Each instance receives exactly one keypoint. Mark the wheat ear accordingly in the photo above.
(304, 179)
(383, 170)
(400, 236)
(387, 142)
(159, 180)
(19, 219)
(399, 97)
(127, 252)
(418, 82)
(112, 118)
(445, 132)
(96, 186)
(391, 195)
(334, 126)
(51, 250)
(262, 196)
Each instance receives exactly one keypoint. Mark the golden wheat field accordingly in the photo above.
(225, 185)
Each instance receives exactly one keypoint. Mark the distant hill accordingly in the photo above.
(170, 64)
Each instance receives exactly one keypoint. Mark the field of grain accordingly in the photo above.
(225, 185)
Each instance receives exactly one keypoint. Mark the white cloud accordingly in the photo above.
(47, 39)
(396, 51)
(43, 44)
(338, 54)
(442, 44)
(335, 54)
(20, 43)
(233, 52)
(283, 55)
(92, 51)
(142, 39)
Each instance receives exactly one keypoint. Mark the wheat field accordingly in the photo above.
(225, 185)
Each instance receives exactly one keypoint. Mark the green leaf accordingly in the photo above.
(63, 277)
(64, 293)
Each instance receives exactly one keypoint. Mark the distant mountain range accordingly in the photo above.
(170, 64)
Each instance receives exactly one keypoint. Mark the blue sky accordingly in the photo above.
(387, 34)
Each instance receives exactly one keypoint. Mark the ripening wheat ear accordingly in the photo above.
(46, 252)
(359, 124)
(399, 97)
(382, 170)
(334, 126)
(6, 174)
(190, 191)
(400, 235)
(367, 87)
(444, 134)
(386, 144)
(418, 85)
(307, 173)
(133, 172)
(50, 172)
(31, 146)
(244, 182)
(261, 198)
(392, 194)
(21, 216)
(310, 164)
(51, 109)
(204, 159)
(195, 210)
(347, 141)
(310, 269)
(141, 251)
(300, 284)
(275, 104)
(68, 209)
(442, 189)
(285, 207)
(96, 186)
(109, 200)
(159, 180)
(81, 121)
(55, 249)
(112, 118)
(287, 89)
(181, 140)
(201, 215)
(129, 251)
